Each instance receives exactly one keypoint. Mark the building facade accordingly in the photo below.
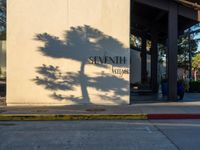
(64, 52)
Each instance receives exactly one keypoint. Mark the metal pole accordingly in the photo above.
(190, 56)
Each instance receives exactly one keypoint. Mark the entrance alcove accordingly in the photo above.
(155, 29)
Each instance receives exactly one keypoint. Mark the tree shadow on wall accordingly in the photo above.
(79, 44)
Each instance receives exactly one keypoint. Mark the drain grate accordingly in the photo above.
(41, 111)
(95, 110)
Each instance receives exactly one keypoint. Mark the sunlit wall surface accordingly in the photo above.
(52, 47)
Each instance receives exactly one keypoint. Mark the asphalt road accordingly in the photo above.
(100, 135)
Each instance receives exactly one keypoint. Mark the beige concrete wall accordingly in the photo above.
(135, 67)
(48, 46)
(3, 59)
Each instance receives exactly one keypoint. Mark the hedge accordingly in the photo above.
(195, 86)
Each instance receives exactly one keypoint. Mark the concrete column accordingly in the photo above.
(154, 61)
(143, 61)
(172, 50)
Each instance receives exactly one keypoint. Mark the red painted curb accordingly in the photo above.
(173, 116)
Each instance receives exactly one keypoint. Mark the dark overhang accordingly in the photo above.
(148, 14)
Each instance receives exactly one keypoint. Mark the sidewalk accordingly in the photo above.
(161, 110)
(149, 107)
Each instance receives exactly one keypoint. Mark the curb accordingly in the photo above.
(173, 116)
(52, 117)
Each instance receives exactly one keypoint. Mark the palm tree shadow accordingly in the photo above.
(79, 44)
